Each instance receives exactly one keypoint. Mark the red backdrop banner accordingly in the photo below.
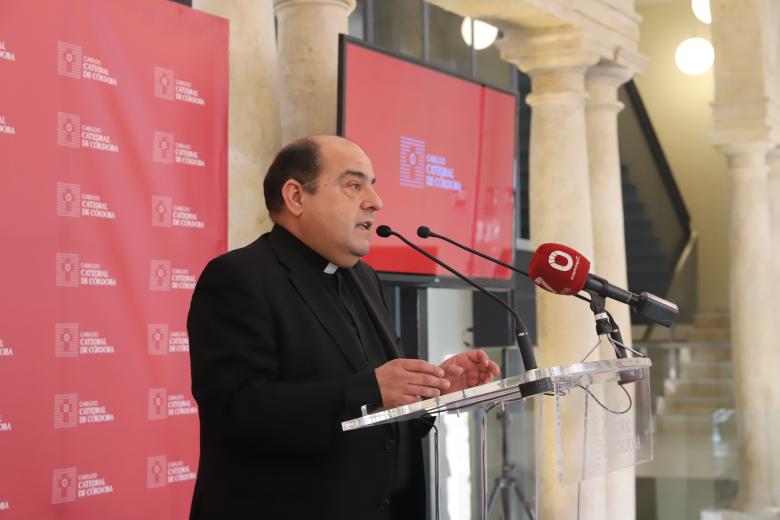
(113, 144)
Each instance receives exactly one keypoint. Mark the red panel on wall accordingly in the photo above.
(113, 143)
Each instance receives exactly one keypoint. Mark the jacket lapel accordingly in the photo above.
(311, 287)
(370, 293)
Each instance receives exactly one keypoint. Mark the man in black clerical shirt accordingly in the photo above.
(289, 336)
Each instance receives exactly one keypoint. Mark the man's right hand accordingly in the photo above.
(405, 381)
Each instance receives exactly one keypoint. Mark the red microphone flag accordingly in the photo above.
(558, 269)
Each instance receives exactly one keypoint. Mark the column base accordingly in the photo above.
(727, 514)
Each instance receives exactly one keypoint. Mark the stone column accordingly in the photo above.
(560, 211)
(253, 112)
(308, 63)
(754, 327)
(774, 230)
(609, 248)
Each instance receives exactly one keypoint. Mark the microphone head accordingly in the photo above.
(423, 232)
(558, 269)
(384, 231)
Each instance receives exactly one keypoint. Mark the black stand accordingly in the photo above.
(605, 324)
(506, 482)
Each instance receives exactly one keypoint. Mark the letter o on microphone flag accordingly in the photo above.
(558, 268)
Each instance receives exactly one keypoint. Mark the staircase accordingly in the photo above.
(648, 268)
(698, 395)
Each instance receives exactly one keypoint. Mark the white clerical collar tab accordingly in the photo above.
(330, 268)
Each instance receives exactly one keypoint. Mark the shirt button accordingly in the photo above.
(390, 445)
(384, 504)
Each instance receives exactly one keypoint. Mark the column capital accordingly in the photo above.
(540, 51)
(610, 74)
(747, 158)
(602, 82)
(349, 5)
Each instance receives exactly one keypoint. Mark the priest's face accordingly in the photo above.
(338, 218)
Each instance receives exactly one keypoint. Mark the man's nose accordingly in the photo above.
(373, 201)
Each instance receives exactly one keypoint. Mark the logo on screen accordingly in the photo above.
(412, 162)
(68, 130)
(156, 471)
(158, 403)
(69, 60)
(157, 336)
(162, 211)
(163, 147)
(68, 200)
(68, 269)
(66, 412)
(63, 488)
(163, 83)
(160, 275)
(66, 339)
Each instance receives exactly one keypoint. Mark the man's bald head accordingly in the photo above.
(302, 161)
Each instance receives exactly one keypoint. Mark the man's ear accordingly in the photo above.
(292, 194)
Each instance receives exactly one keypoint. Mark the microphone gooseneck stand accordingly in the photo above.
(505, 482)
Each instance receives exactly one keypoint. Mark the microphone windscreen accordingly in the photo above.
(383, 231)
(558, 269)
(423, 232)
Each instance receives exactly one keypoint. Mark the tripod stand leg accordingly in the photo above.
(522, 500)
(494, 494)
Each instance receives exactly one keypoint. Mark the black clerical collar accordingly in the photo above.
(309, 256)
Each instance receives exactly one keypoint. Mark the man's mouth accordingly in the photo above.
(365, 225)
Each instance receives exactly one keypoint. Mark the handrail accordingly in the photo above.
(682, 262)
(658, 155)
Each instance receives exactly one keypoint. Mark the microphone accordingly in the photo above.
(560, 269)
(521, 332)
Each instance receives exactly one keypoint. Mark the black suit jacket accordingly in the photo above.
(275, 369)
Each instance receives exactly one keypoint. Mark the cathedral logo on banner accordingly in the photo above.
(160, 275)
(5, 127)
(63, 487)
(162, 211)
(66, 339)
(162, 151)
(72, 62)
(157, 336)
(68, 200)
(6, 54)
(167, 87)
(156, 469)
(161, 472)
(163, 83)
(65, 411)
(68, 130)
(68, 265)
(69, 60)
(158, 404)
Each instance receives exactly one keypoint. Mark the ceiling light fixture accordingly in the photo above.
(484, 33)
(694, 56)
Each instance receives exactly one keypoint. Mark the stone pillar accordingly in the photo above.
(609, 248)
(754, 328)
(774, 230)
(253, 112)
(308, 63)
(560, 211)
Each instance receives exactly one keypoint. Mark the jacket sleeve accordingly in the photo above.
(234, 367)
(423, 425)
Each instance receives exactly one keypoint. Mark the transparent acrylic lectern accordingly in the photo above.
(601, 412)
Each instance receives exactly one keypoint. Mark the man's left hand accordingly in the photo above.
(469, 369)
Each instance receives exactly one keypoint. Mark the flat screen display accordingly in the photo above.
(443, 150)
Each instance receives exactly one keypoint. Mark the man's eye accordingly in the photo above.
(354, 186)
